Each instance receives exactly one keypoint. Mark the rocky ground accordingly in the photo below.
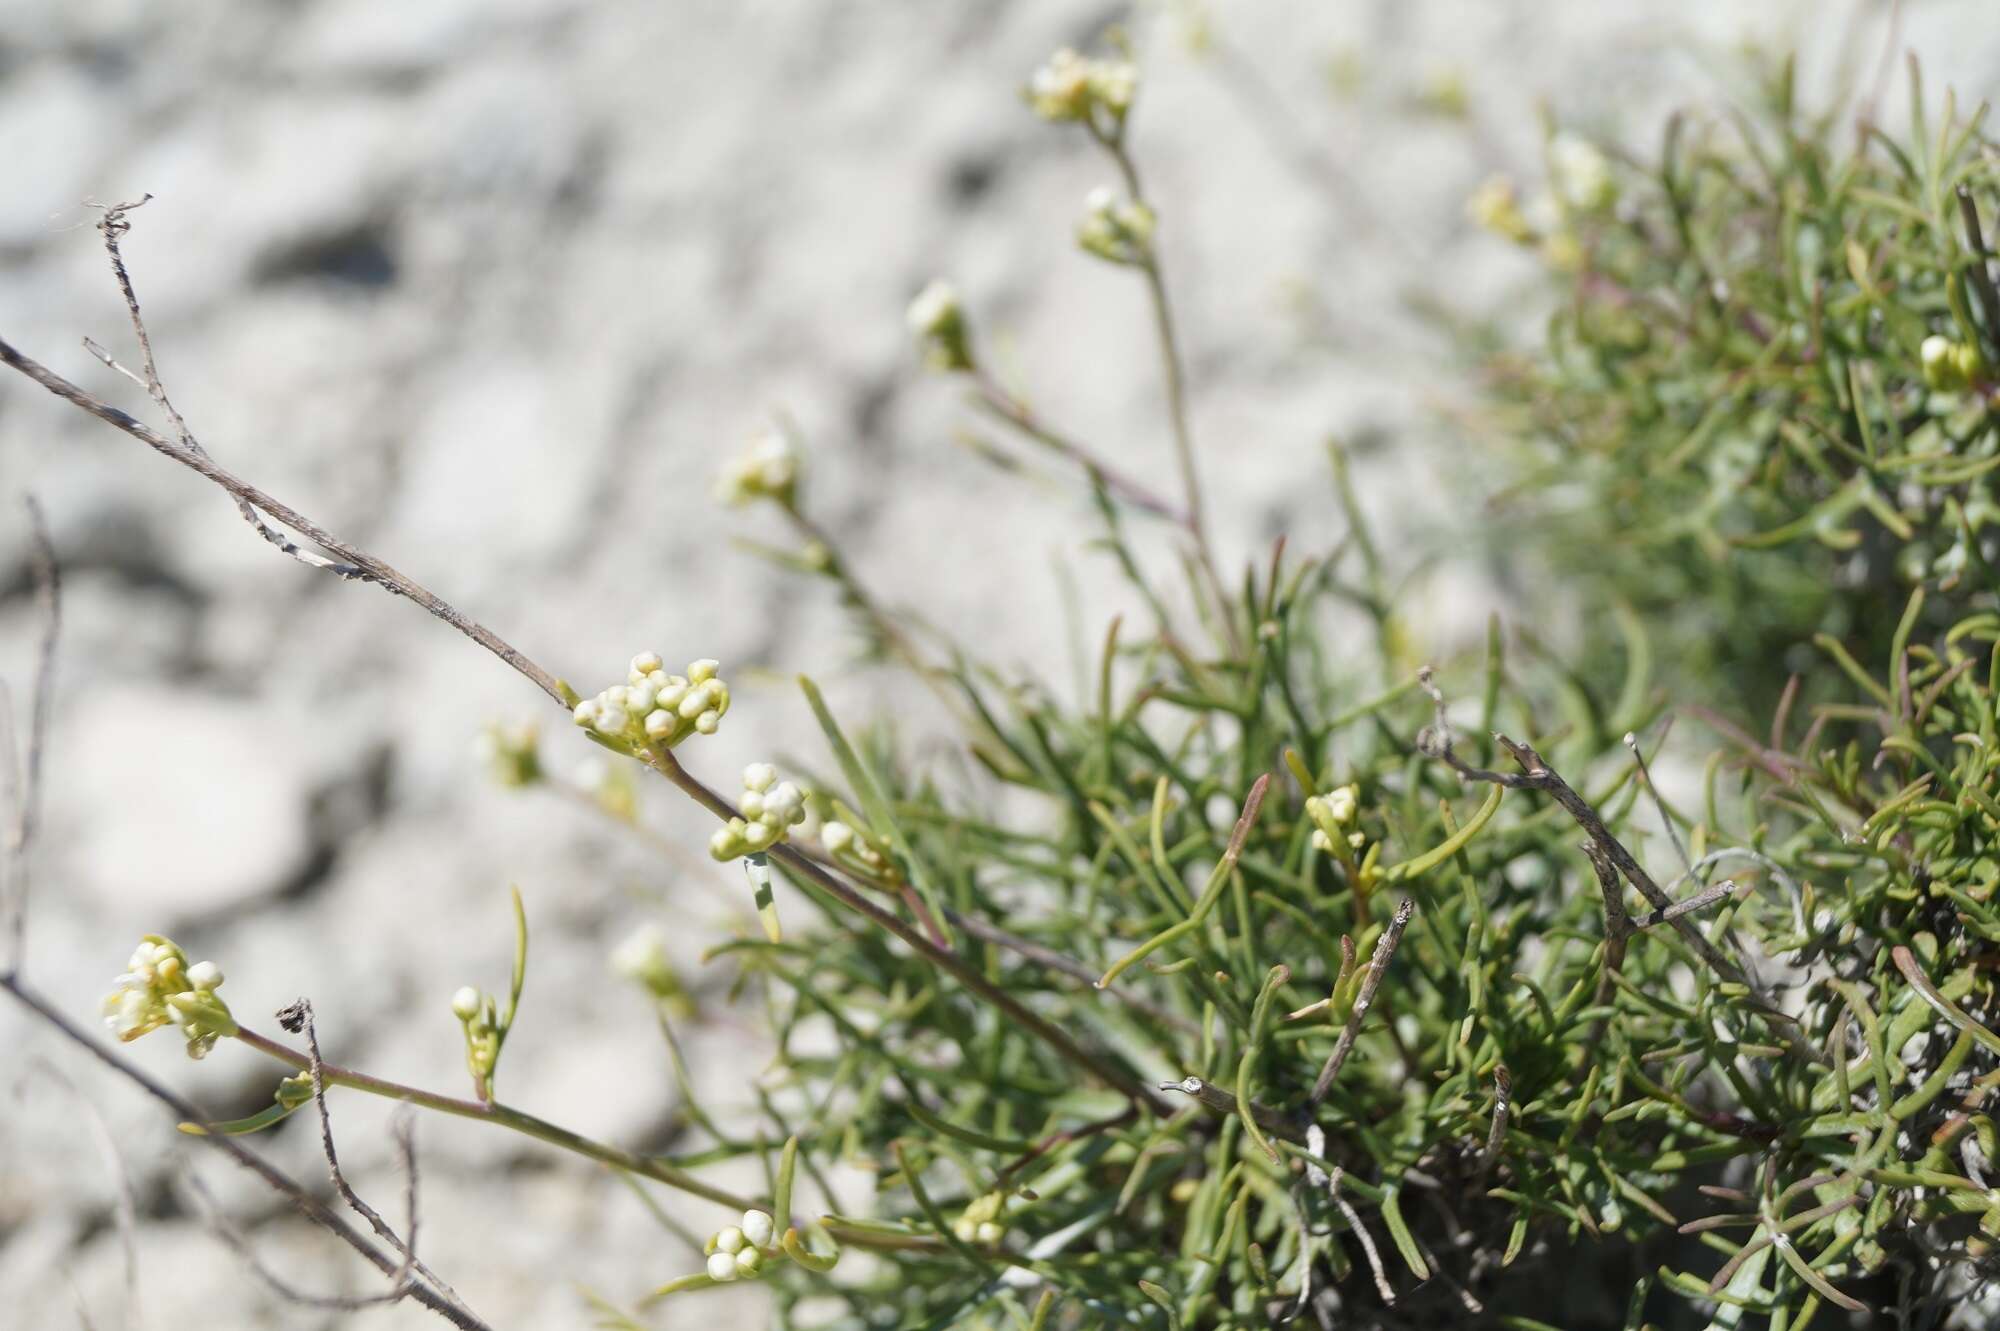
(494, 288)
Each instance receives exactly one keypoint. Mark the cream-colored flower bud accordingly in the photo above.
(661, 725)
(759, 776)
(990, 1234)
(645, 663)
(611, 721)
(758, 1228)
(205, 975)
(708, 722)
(729, 1240)
(586, 712)
(749, 1262)
(751, 806)
(700, 672)
(836, 836)
(465, 1004)
(721, 1267)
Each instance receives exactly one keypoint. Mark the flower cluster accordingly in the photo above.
(513, 752)
(1496, 206)
(1115, 228)
(980, 1221)
(770, 808)
(1072, 87)
(655, 708)
(1948, 365)
(479, 1014)
(1580, 175)
(1330, 813)
(937, 320)
(767, 469)
(642, 957)
(738, 1252)
(159, 987)
(852, 850)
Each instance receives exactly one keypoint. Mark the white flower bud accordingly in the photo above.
(642, 954)
(639, 697)
(645, 663)
(1340, 805)
(934, 310)
(749, 1262)
(727, 843)
(752, 805)
(708, 722)
(757, 1228)
(759, 835)
(659, 725)
(670, 697)
(721, 1267)
(836, 836)
(1935, 351)
(1322, 842)
(205, 975)
(700, 672)
(586, 712)
(467, 1002)
(759, 776)
(990, 1234)
(729, 1240)
(611, 721)
(965, 1230)
(694, 704)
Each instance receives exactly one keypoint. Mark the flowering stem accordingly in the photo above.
(946, 960)
(996, 399)
(494, 1112)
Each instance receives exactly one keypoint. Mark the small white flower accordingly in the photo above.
(729, 1240)
(757, 1227)
(466, 1003)
(586, 712)
(205, 975)
(749, 1262)
(1340, 804)
(645, 663)
(759, 776)
(611, 721)
(751, 806)
(659, 725)
(707, 722)
(836, 836)
(721, 1267)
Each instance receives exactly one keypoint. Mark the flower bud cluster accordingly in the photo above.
(513, 751)
(479, 1014)
(853, 850)
(159, 988)
(980, 1222)
(655, 708)
(1580, 174)
(767, 469)
(738, 1252)
(1073, 87)
(937, 321)
(770, 808)
(642, 957)
(1496, 206)
(1330, 813)
(1948, 365)
(1116, 229)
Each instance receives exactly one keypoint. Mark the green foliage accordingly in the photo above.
(1763, 407)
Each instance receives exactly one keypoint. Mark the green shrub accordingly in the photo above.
(1287, 1000)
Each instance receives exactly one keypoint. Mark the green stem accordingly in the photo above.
(493, 1112)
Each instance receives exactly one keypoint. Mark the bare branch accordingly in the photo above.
(1378, 968)
(199, 461)
(309, 1206)
(23, 772)
(300, 1015)
(113, 227)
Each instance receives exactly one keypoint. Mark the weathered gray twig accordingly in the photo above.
(1378, 969)
(21, 773)
(113, 226)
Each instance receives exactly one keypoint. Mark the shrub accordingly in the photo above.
(1283, 999)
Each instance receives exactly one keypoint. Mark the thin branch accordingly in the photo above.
(198, 461)
(1222, 1102)
(1378, 969)
(1050, 959)
(299, 1015)
(113, 226)
(23, 772)
(992, 395)
(309, 1206)
(1435, 741)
